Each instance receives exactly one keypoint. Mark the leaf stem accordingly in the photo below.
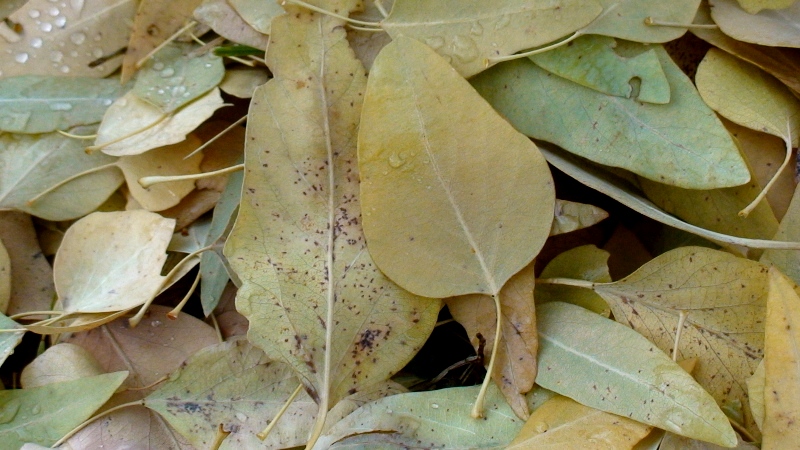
(93, 418)
(36, 313)
(133, 321)
(263, 435)
(497, 59)
(332, 14)
(52, 188)
(749, 208)
(219, 437)
(477, 408)
(678, 332)
(166, 42)
(656, 23)
(381, 9)
(77, 136)
(567, 282)
(93, 148)
(146, 182)
(217, 136)
(173, 315)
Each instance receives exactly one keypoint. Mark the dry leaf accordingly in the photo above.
(777, 28)
(61, 362)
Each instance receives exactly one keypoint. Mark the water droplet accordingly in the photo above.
(21, 57)
(160, 92)
(107, 102)
(60, 21)
(476, 29)
(34, 13)
(77, 5)
(36, 42)
(36, 409)
(97, 53)
(46, 27)
(155, 323)
(77, 38)
(434, 406)
(64, 69)
(61, 106)
(56, 56)
(502, 22)
(241, 417)
(541, 427)
(207, 65)
(464, 48)
(174, 81)
(168, 72)
(53, 11)
(435, 42)
(389, 411)
(158, 66)
(396, 160)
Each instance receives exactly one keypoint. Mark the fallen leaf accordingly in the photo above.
(789, 229)
(596, 62)
(44, 414)
(32, 288)
(221, 17)
(681, 143)
(5, 278)
(30, 165)
(626, 19)
(608, 366)
(564, 423)
(59, 363)
(40, 104)
(754, 6)
(111, 261)
(312, 294)
(466, 35)
(572, 216)
(586, 262)
(192, 207)
(134, 427)
(132, 126)
(257, 13)
(777, 28)
(674, 442)
(755, 392)
(515, 369)
(781, 365)
(165, 161)
(722, 301)
(81, 39)
(8, 340)
(234, 385)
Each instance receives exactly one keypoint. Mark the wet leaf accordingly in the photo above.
(59, 363)
(8, 340)
(466, 34)
(314, 298)
(81, 39)
(586, 262)
(595, 62)
(39, 104)
(169, 160)
(607, 366)
(32, 164)
(681, 143)
(44, 414)
(171, 78)
(111, 261)
(515, 369)
(432, 419)
(777, 28)
(625, 19)
(235, 385)
(32, 288)
(135, 126)
(564, 423)
(571, 216)
(424, 179)
(781, 364)
(221, 17)
(748, 96)
(723, 300)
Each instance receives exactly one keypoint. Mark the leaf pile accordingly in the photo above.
(246, 224)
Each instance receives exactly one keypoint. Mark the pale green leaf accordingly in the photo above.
(754, 6)
(39, 104)
(789, 229)
(466, 33)
(744, 94)
(234, 385)
(171, 78)
(433, 195)
(438, 419)
(111, 261)
(44, 414)
(723, 301)
(571, 216)
(8, 340)
(674, 442)
(681, 143)
(776, 28)
(625, 19)
(73, 39)
(586, 262)
(608, 366)
(312, 294)
(595, 62)
(221, 17)
(257, 13)
(31, 164)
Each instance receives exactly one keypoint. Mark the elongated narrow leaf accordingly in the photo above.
(768, 27)
(31, 164)
(608, 366)
(466, 33)
(681, 143)
(593, 61)
(44, 414)
(38, 104)
(435, 186)
(314, 298)
(755, 391)
(571, 216)
(723, 299)
(782, 364)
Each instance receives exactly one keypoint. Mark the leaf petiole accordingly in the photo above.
(477, 408)
(332, 14)
(52, 188)
(656, 23)
(93, 418)
(146, 182)
(567, 282)
(496, 59)
(263, 435)
(788, 140)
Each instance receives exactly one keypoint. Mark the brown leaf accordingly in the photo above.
(32, 288)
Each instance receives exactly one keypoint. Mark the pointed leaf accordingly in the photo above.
(680, 143)
(768, 27)
(9, 340)
(111, 261)
(433, 191)
(571, 216)
(467, 33)
(38, 104)
(755, 392)
(45, 414)
(586, 262)
(608, 366)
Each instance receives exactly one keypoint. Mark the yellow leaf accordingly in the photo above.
(571, 216)
(781, 429)
(755, 390)
(754, 6)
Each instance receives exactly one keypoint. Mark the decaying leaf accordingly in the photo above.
(607, 366)
(314, 298)
(571, 216)
(776, 28)
(781, 427)
(111, 261)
